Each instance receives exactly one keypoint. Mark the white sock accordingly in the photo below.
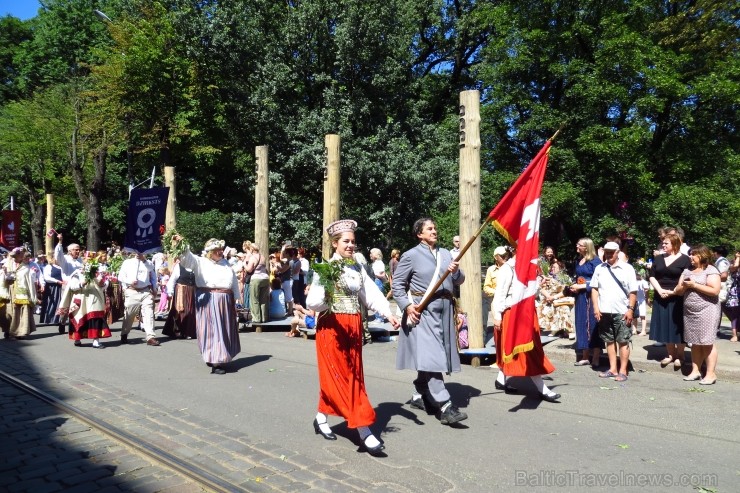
(540, 384)
(323, 425)
(416, 396)
(445, 406)
(367, 437)
(501, 378)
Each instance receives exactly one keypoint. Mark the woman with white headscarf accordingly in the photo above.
(216, 295)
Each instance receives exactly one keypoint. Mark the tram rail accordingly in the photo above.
(193, 472)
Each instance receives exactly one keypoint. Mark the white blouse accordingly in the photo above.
(358, 283)
(210, 274)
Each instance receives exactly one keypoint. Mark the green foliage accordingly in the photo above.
(199, 227)
(647, 90)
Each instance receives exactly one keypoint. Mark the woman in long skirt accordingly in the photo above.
(52, 294)
(339, 338)
(216, 296)
(181, 317)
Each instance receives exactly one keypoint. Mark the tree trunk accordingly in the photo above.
(37, 223)
(95, 210)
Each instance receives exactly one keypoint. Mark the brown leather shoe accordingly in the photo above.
(152, 342)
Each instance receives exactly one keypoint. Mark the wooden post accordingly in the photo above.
(49, 243)
(262, 206)
(261, 201)
(469, 191)
(331, 189)
(170, 219)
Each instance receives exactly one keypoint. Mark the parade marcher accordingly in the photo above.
(83, 300)
(23, 295)
(37, 277)
(532, 363)
(181, 317)
(6, 309)
(70, 262)
(216, 298)
(427, 343)
(52, 294)
(139, 284)
(339, 337)
(614, 297)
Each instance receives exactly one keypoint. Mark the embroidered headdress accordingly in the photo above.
(17, 251)
(214, 244)
(341, 226)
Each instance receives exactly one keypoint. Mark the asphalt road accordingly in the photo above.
(652, 433)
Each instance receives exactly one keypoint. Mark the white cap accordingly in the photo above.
(611, 246)
(500, 250)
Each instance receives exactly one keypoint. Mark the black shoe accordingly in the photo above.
(328, 436)
(508, 389)
(551, 398)
(62, 329)
(452, 415)
(373, 450)
(78, 343)
(124, 338)
(418, 403)
(218, 370)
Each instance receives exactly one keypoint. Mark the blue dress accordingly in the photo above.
(587, 331)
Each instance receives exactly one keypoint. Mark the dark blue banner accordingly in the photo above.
(145, 219)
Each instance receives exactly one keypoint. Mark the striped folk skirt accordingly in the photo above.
(217, 326)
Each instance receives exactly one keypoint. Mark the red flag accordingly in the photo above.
(10, 233)
(517, 218)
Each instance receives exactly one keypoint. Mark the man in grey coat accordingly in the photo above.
(427, 342)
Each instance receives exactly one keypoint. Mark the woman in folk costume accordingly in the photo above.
(52, 294)
(6, 309)
(339, 336)
(181, 317)
(532, 363)
(216, 296)
(83, 300)
(23, 294)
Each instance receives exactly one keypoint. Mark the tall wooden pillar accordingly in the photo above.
(261, 201)
(331, 189)
(170, 217)
(469, 190)
(49, 243)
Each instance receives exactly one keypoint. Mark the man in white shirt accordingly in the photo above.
(139, 282)
(70, 262)
(614, 297)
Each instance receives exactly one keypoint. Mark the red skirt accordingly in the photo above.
(341, 376)
(528, 364)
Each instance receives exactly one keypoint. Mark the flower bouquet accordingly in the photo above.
(90, 269)
(330, 274)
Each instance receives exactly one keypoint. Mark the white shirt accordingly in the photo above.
(48, 277)
(612, 298)
(502, 299)
(210, 274)
(66, 262)
(379, 269)
(356, 281)
(137, 274)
